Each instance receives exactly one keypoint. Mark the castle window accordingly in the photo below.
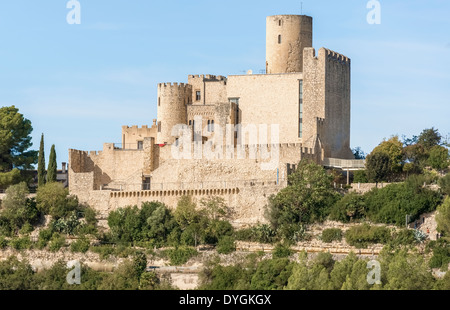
(279, 22)
(198, 95)
(159, 126)
(190, 122)
(140, 145)
(279, 39)
(212, 126)
(159, 101)
(209, 126)
(300, 110)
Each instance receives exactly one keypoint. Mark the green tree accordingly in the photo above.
(52, 199)
(306, 199)
(186, 212)
(439, 157)
(214, 208)
(15, 140)
(52, 168)
(404, 271)
(443, 217)
(351, 207)
(18, 209)
(444, 183)
(429, 138)
(41, 163)
(311, 276)
(16, 275)
(378, 167)
(394, 149)
(272, 274)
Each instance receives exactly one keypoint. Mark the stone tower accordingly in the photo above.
(172, 109)
(286, 37)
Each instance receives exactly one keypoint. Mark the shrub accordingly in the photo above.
(57, 242)
(281, 251)
(363, 235)
(226, 245)
(20, 243)
(104, 251)
(441, 256)
(403, 237)
(360, 176)
(392, 203)
(44, 237)
(352, 206)
(444, 183)
(3, 242)
(80, 246)
(331, 234)
(181, 255)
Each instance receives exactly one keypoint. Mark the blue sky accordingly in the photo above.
(79, 84)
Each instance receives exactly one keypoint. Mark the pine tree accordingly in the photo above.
(51, 171)
(41, 163)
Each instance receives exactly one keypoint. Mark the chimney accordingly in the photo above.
(63, 167)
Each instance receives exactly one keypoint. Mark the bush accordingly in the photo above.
(260, 233)
(104, 251)
(363, 235)
(281, 251)
(441, 256)
(226, 245)
(351, 207)
(403, 237)
(80, 246)
(444, 183)
(3, 243)
(331, 234)
(181, 255)
(360, 176)
(57, 242)
(392, 203)
(44, 237)
(19, 244)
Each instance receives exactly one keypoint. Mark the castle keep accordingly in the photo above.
(240, 136)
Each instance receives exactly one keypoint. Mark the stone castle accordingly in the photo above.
(236, 137)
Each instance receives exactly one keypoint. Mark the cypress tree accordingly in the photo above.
(41, 163)
(51, 171)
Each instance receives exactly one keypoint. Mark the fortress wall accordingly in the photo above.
(131, 135)
(337, 109)
(268, 99)
(111, 167)
(313, 94)
(213, 89)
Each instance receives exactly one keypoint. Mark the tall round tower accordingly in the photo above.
(172, 110)
(286, 37)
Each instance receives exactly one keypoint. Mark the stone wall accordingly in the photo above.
(131, 135)
(268, 99)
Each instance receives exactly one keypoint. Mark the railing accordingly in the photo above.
(195, 185)
(346, 164)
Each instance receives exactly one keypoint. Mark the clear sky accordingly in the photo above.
(79, 84)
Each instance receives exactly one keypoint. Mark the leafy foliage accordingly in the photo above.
(306, 199)
(15, 137)
(378, 167)
(181, 255)
(444, 183)
(439, 157)
(331, 234)
(351, 207)
(363, 235)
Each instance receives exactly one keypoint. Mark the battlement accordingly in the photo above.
(208, 77)
(136, 127)
(176, 85)
(332, 55)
